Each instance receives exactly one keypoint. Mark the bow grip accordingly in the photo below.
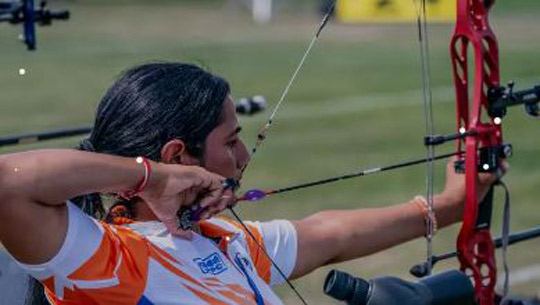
(485, 210)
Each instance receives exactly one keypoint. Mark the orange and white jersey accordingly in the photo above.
(142, 263)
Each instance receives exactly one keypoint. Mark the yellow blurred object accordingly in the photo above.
(394, 10)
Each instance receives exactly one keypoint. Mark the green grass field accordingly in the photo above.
(356, 104)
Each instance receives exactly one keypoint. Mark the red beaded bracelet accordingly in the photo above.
(144, 181)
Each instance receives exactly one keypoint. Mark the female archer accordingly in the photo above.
(164, 137)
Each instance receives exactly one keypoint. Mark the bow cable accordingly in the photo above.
(262, 136)
(274, 264)
(427, 98)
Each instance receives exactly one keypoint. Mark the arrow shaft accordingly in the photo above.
(361, 173)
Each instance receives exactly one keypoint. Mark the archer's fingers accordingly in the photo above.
(227, 200)
(173, 225)
(188, 197)
(211, 199)
(209, 181)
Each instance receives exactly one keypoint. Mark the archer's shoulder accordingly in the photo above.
(260, 229)
(222, 225)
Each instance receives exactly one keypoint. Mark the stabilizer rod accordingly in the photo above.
(420, 270)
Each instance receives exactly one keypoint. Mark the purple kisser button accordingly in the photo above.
(254, 195)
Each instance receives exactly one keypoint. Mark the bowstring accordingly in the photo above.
(261, 136)
(264, 131)
(427, 98)
(274, 264)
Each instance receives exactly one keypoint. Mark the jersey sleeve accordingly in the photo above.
(279, 239)
(96, 263)
(281, 243)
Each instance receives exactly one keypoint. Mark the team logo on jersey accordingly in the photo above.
(212, 264)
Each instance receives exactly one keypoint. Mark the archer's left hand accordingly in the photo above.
(455, 188)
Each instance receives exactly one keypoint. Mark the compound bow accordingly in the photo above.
(479, 134)
(479, 142)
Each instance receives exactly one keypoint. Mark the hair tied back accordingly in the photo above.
(86, 145)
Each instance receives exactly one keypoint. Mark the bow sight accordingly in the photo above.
(24, 11)
(501, 98)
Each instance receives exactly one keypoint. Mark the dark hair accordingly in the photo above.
(145, 108)
(150, 105)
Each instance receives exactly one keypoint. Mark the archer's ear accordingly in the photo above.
(175, 152)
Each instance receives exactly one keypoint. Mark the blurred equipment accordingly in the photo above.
(244, 106)
(23, 11)
(448, 288)
(251, 105)
(262, 10)
(324, 7)
(393, 10)
(43, 136)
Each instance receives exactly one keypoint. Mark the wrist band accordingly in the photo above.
(141, 185)
(429, 215)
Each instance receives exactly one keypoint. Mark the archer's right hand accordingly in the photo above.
(173, 187)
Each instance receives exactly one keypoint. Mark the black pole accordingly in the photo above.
(420, 270)
(48, 135)
(244, 106)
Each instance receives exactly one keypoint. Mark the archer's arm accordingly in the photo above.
(34, 187)
(336, 236)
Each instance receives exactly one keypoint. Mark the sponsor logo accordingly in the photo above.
(212, 264)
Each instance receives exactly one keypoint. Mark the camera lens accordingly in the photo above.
(344, 287)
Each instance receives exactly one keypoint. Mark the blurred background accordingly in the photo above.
(357, 102)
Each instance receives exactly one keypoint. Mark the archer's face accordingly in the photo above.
(224, 152)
